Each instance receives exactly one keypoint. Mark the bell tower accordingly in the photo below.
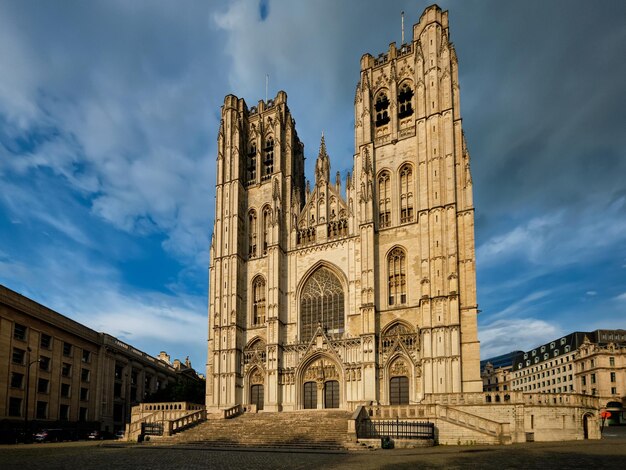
(259, 182)
(408, 121)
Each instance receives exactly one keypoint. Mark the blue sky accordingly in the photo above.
(108, 123)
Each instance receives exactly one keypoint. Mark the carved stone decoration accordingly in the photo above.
(257, 377)
(320, 371)
(398, 369)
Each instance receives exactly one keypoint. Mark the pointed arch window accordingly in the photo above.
(252, 234)
(396, 266)
(258, 301)
(384, 200)
(252, 164)
(321, 303)
(382, 109)
(405, 103)
(268, 158)
(267, 217)
(406, 194)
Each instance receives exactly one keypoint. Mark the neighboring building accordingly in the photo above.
(496, 372)
(590, 363)
(73, 375)
(320, 300)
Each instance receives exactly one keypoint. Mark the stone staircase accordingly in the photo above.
(321, 429)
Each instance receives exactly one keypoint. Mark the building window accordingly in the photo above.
(65, 390)
(18, 356)
(267, 217)
(119, 369)
(84, 394)
(44, 363)
(612, 361)
(593, 378)
(86, 356)
(396, 265)
(382, 107)
(19, 332)
(613, 379)
(258, 303)
(268, 158)
(17, 380)
(66, 370)
(84, 375)
(117, 390)
(406, 194)
(15, 406)
(405, 107)
(252, 164)
(252, 227)
(42, 409)
(45, 341)
(584, 380)
(82, 415)
(67, 349)
(613, 390)
(42, 385)
(321, 303)
(64, 412)
(384, 200)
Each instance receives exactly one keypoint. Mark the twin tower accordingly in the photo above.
(329, 297)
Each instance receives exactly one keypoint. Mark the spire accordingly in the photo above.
(322, 166)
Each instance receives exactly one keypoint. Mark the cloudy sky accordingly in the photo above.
(108, 123)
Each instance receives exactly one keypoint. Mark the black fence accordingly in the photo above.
(152, 429)
(396, 429)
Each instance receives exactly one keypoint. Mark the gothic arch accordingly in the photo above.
(322, 264)
(395, 323)
(258, 301)
(319, 367)
(396, 276)
(340, 304)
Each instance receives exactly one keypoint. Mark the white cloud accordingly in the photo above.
(560, 238)
(621, 297)
(510, 334)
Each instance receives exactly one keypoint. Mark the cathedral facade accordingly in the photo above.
(323, 296)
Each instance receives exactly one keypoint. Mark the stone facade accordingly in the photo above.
(322, 296)
(84, 379)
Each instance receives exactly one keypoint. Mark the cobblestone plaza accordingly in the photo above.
(609, 452)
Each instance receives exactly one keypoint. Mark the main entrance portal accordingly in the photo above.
(310, 395)
(331, 394)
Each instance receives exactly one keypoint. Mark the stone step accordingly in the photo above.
(311, 429)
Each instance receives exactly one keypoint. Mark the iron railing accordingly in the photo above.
(396, 429)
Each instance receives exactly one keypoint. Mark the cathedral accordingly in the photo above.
(323, 296)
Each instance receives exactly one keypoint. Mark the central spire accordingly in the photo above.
(322, 166)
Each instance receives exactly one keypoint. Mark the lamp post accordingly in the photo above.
(26, 389)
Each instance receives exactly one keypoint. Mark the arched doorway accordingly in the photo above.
(586, 426)
(399, 390)
(310, 395)
(257, 396)
(321, 380)
(331, 394)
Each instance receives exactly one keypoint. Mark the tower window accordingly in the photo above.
(258, 303)
(382, 107)
(267, 214)
(252, 234)
(384, 200)
(268, 158)
(397, 277)
(405, 96)
(252, 164)
(406, 194)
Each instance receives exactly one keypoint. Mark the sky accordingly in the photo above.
(109, 112)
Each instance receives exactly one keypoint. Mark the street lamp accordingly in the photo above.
(26, 438)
